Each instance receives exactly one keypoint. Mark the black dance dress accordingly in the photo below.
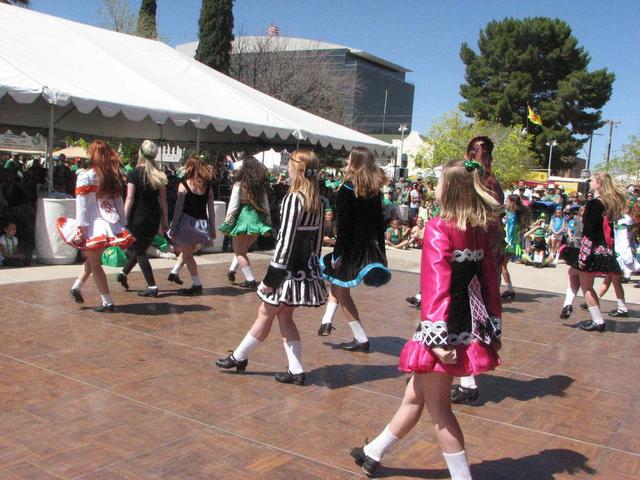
(359, 253)
(595, 254)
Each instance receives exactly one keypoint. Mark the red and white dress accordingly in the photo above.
(103, 219)
(461, 306)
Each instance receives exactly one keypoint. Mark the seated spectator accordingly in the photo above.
(395, 234)
(329, 229)
(10, 255)
(415, 237)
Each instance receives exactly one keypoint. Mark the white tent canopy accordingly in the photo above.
(106, 83)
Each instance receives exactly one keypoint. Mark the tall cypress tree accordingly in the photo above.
(215, 34)
(147, 20)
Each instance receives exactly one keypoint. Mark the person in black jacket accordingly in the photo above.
(359, 253)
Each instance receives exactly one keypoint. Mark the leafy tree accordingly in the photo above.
(535, 61)
(626, 165)
(117, 15)
(215, 34)
(448, 138)
(147, 20)
(20, 3)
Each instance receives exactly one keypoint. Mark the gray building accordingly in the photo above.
(380, 99)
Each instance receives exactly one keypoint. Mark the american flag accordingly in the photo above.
(273, 30)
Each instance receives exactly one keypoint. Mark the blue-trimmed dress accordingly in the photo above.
(359, 253)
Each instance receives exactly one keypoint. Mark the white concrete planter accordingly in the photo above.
(50, 248)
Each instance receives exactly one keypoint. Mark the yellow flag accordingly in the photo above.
(534, 117)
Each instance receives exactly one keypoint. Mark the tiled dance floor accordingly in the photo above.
(135, 395)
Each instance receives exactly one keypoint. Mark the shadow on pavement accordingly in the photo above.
(495, 389)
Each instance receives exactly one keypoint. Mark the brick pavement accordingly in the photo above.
(134, 395)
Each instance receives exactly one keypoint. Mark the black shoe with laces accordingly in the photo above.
(566, 312)
(355, 346)
(288, 377)
(464, 395)
(368, 464)
(192, 291)
(149, 292)
(413, 301)
(619, 313)
(231, 276)
(249, 284)
(591, 326)
(231, 362)
(173, 277)
(122, 280)
(584, 306)
(325, 329)
(508, 294)
(105, 309)
(76, 295)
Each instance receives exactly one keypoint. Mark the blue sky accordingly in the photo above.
(425, 36)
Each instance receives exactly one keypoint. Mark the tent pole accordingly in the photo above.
(262, 157)
(197, 141)
(50, 150)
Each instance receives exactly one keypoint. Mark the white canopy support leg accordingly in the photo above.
(50, 150)
(262, 157)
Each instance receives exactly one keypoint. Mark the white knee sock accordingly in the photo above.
(248, 274)
(458, 465)
(418, 297)
(247, 344)
(468, 382)
(77, 285)
(234, 264)
(509, 287)
(380, 444)
(329, 312)
(358, 332)
(569, 296)
(176, 268)
(196, 280)
(596, 315)
(106, 299)
(621, 306)
(293, 349)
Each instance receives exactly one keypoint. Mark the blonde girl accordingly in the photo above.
(294, 278)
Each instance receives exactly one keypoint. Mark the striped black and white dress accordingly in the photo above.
(294, 272)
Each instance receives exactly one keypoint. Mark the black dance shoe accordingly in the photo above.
(325, 329)
(619, 313)
(192, 291)
(355, 346)
(105, 309)
(413, 301)
(149, 292)
(368, 464)
(231, 276)
(173, 277)
(584, 306)
(464, 395)
(230, 362)
(637, 285)
(508, 294)
(288, 377)
(122, 280)
(249, 284)
(590, 326)
(76, 295)
(566, 312)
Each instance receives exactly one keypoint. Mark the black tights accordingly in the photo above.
(138, 254)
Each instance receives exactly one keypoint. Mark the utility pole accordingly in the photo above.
(384, 110)
(611, 124)
(589, 152)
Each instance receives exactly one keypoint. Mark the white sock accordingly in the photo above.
(153, 287)
(234, 264)
(196, 280)
(458, 465)
(293, 349)
(106, 299)
(569, 296)
(380, 444)
(247, 344)
(468, 382)
(329, 312)
(596, 315)
(509, 287)
(77, 285)
(248, 274)
(176, 268)
(358, 332)
(418, 297)
(621, 306)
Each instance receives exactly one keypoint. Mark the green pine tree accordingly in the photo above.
(536, 61)
(215, 34)
(147, 20)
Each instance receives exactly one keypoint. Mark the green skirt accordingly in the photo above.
(249, 222)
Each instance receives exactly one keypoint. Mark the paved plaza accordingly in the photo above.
(135, 395)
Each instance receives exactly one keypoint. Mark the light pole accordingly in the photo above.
(550, 144)
(403, 128)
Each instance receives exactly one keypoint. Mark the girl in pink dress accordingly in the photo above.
(459, 333)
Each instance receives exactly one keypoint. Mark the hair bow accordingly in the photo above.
(311, 172)
(472, 165)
